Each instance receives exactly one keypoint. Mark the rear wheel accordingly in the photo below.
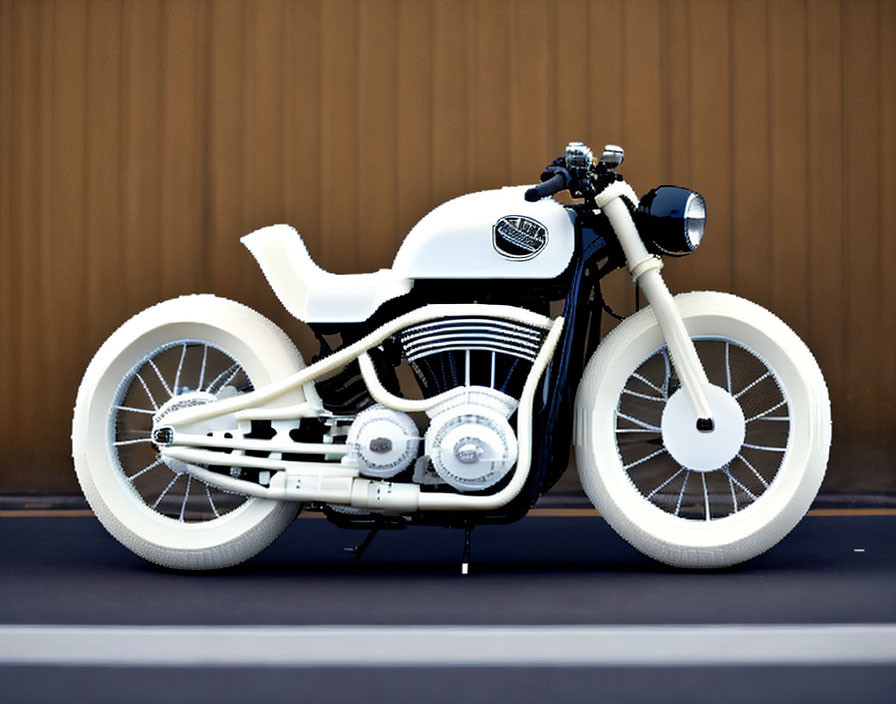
(694, 499)
(187, 351)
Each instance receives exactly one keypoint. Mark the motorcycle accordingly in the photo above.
(446, 393)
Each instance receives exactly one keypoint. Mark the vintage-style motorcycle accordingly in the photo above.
(445, 392)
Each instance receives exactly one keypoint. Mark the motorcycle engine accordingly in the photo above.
(470, 441)
(382, 442)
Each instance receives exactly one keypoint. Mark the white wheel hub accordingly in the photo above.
(703, 451)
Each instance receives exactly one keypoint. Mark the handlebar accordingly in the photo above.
(553, 185)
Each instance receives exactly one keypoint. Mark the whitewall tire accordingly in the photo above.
(686, 501)
(197, 348)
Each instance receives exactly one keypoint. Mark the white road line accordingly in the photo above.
(439, 646)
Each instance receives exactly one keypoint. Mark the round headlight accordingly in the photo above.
(671, 220)
(694, 219)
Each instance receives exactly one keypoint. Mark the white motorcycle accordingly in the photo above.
(445, 392)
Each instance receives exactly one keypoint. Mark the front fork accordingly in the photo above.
(645, 270)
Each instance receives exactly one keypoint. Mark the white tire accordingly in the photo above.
(165, 351)
(712, 516)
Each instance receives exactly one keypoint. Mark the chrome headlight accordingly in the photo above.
(671, 220)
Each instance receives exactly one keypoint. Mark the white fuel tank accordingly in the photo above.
(494, 234)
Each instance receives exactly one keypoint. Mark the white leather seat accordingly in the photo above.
(312, 294)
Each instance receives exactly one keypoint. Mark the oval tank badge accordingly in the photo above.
(519, 237)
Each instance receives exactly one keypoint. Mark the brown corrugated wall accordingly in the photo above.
(139, 140)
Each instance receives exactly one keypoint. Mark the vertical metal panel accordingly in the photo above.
(453, 25)
(10, 315)
(224, 134)
(414, 149)
(710, 144)
(375, 163)
(828, 246)
(886, 154)
(139, 140)
(787, 162)
(751, 221)
(340, 187)
(861, 201)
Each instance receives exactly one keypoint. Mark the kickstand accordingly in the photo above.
(465, 565)
(360, 549)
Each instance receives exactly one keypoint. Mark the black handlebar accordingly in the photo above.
(553, 185)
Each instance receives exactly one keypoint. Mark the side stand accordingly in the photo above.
(359, 550)
(465, 564)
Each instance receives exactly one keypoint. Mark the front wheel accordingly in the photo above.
(190, 350)
(693, 499)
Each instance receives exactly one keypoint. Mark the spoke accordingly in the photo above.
(177, 476)
(753, 469)
(642, 423)
(135, 410)
(765, 413)
(647, 396)
(233, 369)
(148, 392)
(644, 459)
(208, 493)
(650, 495)
(728, 365)
(681, 495)
(161, 378)
(202, 370)
(637, 430)
(765, 447)
(183, 505)
(751, 385)
(668, 380)
(705, 496)
(180, 366)
(733, 493)
(650, 384)
(145, 469)
(748, 492)
(235, 372)
(131, 442)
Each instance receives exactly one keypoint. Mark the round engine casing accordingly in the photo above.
(383, 442)
(472, 445)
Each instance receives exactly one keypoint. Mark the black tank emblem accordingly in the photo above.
(518, 237)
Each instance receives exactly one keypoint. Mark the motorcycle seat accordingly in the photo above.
(312, 294)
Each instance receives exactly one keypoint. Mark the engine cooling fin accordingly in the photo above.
(465, 351)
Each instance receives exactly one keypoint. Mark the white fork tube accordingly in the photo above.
(645, 270)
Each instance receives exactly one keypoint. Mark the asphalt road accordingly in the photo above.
(541, 571)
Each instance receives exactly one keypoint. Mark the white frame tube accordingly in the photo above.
(336, 483)
(271, 392)
(645, 269)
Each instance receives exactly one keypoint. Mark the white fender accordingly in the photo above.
(312, 294)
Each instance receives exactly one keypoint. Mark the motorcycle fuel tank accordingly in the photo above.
(493, 234)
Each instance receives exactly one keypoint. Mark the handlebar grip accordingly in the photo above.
(553, 185)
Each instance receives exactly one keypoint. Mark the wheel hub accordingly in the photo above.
(185, 400)
(700, 450)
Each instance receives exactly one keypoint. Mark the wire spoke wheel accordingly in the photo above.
(182, 371)
(703, 494)
(693, 499)
(183, 352)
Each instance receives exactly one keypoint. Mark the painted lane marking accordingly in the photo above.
(441, 646)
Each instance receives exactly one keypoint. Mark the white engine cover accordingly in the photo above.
(470, 443)
(493, 234)
(382, 442)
